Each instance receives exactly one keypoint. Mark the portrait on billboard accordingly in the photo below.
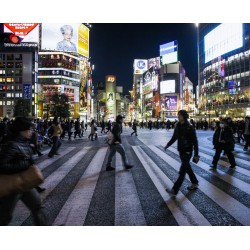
(68, 37)
(60, 37)
(66, 44)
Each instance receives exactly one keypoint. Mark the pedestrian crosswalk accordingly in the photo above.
(79, 192)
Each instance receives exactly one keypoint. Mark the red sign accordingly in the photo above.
(21, 29)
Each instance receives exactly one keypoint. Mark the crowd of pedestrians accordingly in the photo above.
(19, 140)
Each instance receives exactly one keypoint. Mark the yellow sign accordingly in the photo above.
(83, 40)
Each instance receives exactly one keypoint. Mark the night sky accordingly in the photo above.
(113, 47)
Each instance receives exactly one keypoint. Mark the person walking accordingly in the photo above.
(223, 139)
(246, 133)
(93, 130)
(116, 145)
(77, 128)
(16, 157)
(34, 141)
(57, 131)
(103, 127)
(134, 127)
(187, 142)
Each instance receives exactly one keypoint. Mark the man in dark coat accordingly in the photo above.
(187, 142)
(223, 140)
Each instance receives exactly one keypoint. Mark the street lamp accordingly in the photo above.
(198, 57)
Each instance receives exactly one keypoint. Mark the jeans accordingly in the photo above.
(31, 199)
(229, 154)
(56, 145)
(120, 149)
(185, 168)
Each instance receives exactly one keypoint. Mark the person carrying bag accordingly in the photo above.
(19, 175)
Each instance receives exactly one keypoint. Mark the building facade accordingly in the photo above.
(224, 72)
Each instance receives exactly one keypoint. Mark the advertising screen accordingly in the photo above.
(231, 84)
(154, 62)
(140, 66)
(167, 87)
(168, 48)
(150, 78)
(171, 102)
(223, 39)
(73, 37)
(29, 32)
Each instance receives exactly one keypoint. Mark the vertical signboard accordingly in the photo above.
(27, 91)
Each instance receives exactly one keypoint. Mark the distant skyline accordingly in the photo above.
(113, 48)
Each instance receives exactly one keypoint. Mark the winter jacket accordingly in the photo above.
(186, 136)
(117, 130)
(226, 135)
(15, 156)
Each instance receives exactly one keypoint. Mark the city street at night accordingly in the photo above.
(80, 192)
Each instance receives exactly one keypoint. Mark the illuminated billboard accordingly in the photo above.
(140, 66)
(171, 102)
(73, 37)
(223, 39)
(167, 87)
(154, 62)
(150, 81)
(28, 32)
(168, 48)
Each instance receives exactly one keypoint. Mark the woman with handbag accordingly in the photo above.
(19, 176)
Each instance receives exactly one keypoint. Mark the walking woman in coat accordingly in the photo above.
(16, 157)
(223, 139)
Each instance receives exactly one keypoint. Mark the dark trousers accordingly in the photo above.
(35, 150)
(77, 132)
(135, 132)
(247, 141)
(31, 199)
(56, 145)
(229, 154)
(185, 168)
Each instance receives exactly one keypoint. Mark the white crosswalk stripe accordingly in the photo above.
(229, 204)
(75, 210)
(127, 207)
(161, 181)
(128, 211)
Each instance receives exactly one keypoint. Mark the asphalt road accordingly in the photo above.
(80, 192)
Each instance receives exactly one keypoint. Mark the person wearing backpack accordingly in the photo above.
(187, 142)
(57, 131)
(116, 145)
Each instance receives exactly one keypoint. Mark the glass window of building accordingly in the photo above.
(19, 65)
(10, 57)
(18, 56)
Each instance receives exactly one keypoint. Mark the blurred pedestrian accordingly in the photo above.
(134, 127)
(57, 131)
(187, 142)
(116, 145)
(34, 141)
(223, 139)
(246, 132)
(16, 157)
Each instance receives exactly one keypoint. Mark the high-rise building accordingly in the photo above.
(224, 72)
(18, 67)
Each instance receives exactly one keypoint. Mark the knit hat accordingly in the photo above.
(21, 124)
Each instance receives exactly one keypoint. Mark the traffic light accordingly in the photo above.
(9, 38)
